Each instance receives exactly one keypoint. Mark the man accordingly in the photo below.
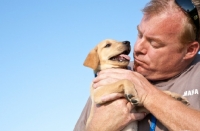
(165, 58)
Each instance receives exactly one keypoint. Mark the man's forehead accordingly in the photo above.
(163, 23)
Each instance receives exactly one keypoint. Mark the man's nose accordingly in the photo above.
(140, 47)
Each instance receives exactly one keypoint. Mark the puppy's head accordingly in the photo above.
(109, 54)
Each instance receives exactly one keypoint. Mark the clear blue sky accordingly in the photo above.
(43, 43)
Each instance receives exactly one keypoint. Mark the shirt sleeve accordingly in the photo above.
(81, 123)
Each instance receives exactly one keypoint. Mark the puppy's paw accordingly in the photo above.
(97, 100)
(96, 97)
(182, 99)
(131, 94)
(178, 97)
(134, 100)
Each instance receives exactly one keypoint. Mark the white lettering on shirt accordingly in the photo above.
(191, 92)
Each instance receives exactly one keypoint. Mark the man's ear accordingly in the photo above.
(192, 50)
(92, 59)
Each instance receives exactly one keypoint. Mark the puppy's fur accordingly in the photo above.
(113, 54)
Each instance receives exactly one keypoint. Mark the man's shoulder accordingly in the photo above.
(195, 66)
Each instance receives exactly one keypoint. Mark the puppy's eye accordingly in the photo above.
(107, 45)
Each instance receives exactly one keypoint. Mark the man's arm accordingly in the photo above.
(170, 112)
(112, 116)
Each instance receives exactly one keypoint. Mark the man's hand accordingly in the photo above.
(108, 76)
(112, 116)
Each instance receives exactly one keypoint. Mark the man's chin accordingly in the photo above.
(140, 69)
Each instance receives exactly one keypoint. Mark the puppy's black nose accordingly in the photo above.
(126, 42)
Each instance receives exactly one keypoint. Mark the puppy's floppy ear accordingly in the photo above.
(92, 60)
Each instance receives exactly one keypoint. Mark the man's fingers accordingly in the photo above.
(111, 97)
(112, 70)
(138, 116)
(104, 82)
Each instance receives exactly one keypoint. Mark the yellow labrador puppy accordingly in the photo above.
(113, 54)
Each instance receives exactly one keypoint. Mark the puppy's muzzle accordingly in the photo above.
(127, 43)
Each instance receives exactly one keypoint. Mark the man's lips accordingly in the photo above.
(139, 61)
(142, 66)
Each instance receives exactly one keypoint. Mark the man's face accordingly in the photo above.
(157, 51)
